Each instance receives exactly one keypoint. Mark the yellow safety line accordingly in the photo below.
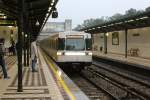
(66, 88)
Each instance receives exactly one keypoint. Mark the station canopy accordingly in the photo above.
(131, 22)
(37, 11)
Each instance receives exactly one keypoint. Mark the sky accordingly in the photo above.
(80, 10)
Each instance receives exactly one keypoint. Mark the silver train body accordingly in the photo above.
(69, 48)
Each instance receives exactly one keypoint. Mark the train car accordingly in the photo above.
(69, 48)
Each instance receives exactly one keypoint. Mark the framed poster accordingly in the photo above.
(115, 38)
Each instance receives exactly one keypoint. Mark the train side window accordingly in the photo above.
(61, 43)
(88, 44)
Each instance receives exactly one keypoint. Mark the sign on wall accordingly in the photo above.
(115, 38)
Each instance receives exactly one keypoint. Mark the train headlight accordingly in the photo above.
(59, 53)
(90, 53)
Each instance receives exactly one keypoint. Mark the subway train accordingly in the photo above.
(69, 48)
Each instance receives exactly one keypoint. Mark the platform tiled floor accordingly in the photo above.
(34, 87)
(39, 85)
(136, 60)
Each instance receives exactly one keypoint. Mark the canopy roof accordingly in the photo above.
(131, 22)
(38, 11)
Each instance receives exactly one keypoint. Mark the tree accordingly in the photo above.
(131, 12)
(147, 9)
(88, 22)
(100, 20)
(140, 11)
(116, 16)
(92, 22)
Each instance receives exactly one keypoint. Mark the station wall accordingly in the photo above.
(138, 39)
(7, 33)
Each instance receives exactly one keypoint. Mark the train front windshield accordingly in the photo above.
(75, 44)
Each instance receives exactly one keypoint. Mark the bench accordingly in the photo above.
(133, 52)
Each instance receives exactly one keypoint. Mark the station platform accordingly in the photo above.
(48, 83)
(140, 62)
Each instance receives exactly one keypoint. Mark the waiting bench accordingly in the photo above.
(133, 52)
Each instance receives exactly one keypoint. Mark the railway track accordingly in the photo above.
(119, 91)
(117, 85)
(90, 89)
(101, 83)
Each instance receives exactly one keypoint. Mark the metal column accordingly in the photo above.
(25, 49)
(19, 56)
(28, 54)
(105, 43)
(126, 43)
(26, 35)
(28, 47)
(29, 33)
(25, 18)
(30, 40)
(19, 45)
